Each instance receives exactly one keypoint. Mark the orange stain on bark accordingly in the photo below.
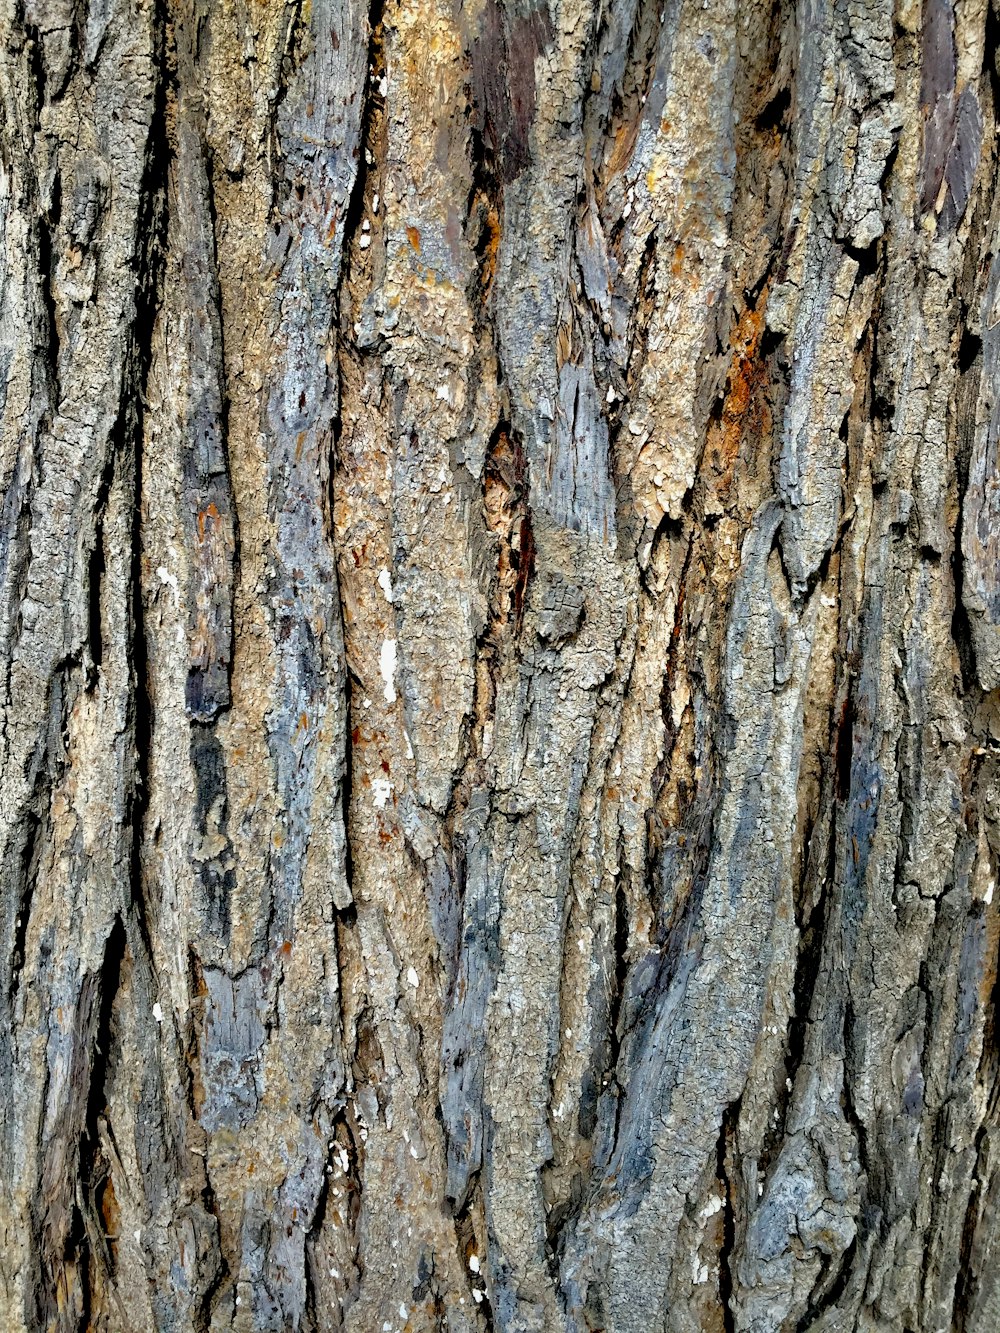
(745, 410)
(204, 516)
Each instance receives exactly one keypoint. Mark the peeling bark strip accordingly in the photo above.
(500, 625)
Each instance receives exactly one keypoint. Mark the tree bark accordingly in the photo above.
(500, 627)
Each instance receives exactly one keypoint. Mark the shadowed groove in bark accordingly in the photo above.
(96, 1257)
(727, 1134)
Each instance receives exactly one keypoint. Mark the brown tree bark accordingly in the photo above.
(500, 629)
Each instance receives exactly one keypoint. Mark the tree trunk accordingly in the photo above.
(500, 631)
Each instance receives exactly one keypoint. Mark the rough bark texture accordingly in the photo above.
(500, 628)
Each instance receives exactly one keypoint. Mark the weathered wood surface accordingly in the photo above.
(500, 628)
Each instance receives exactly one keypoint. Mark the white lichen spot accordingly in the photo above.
(712, 1206)
(385, 583)
(169, 581)
(387, 666)
(478, 1295)
(989, 892)
(474, 1262)
(381, 791)
(412, 978)
(157, 1013)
